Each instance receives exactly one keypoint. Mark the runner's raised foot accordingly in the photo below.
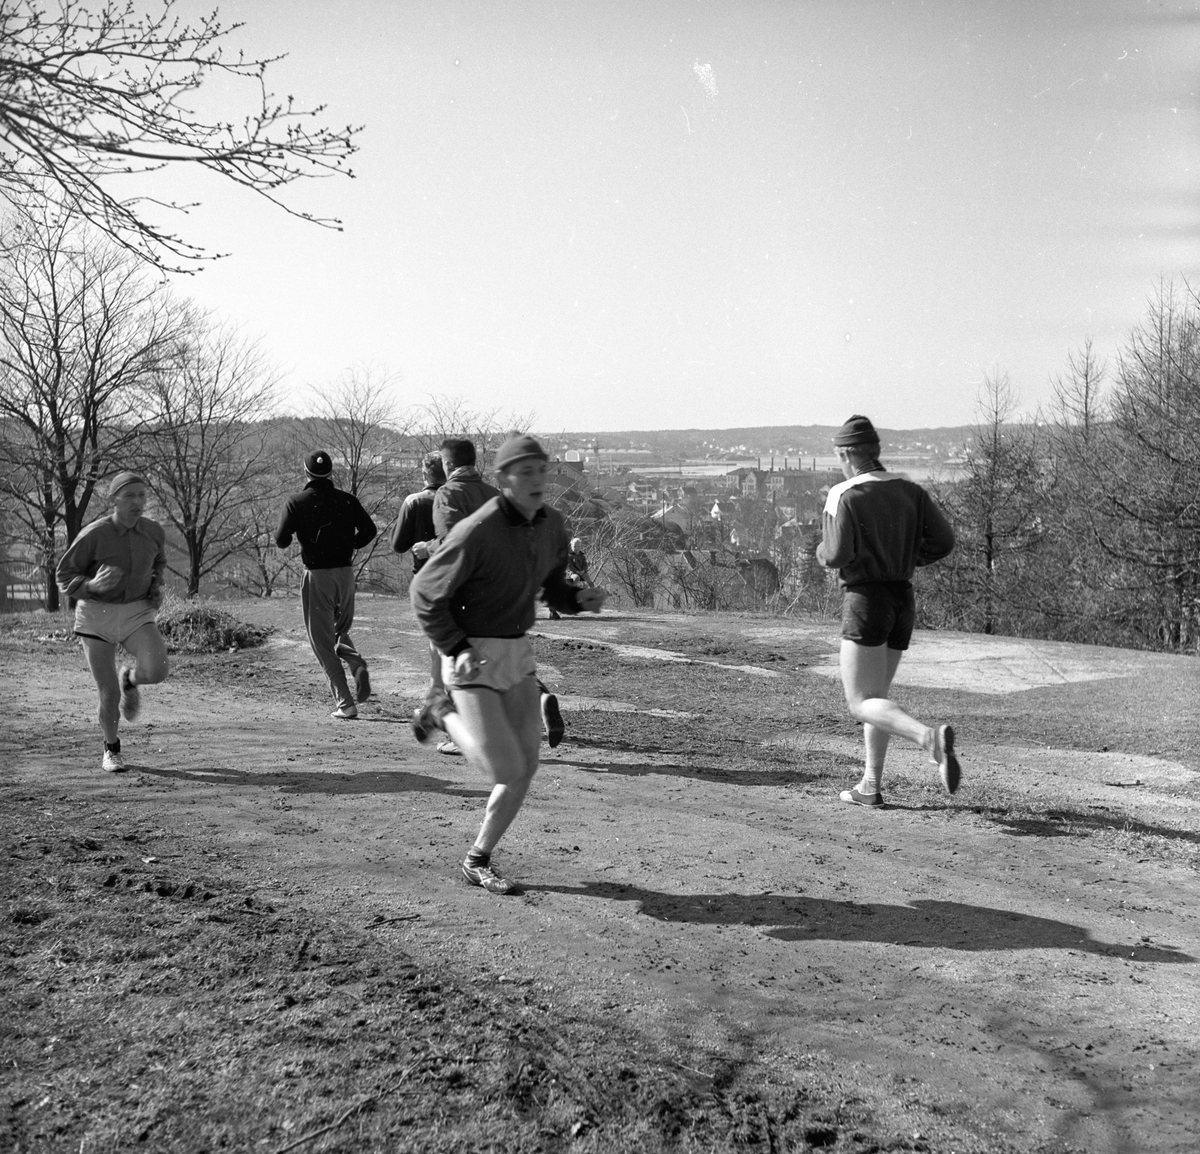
(131, 699)
(943, 753)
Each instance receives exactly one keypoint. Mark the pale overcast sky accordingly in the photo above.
(691, 213)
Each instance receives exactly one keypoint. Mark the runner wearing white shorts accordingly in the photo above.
(114, 567)
(475, 599)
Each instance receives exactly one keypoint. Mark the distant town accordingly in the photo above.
(790, 466)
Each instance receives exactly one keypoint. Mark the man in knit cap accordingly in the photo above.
(330, 525)
(114, 568)
(464, 492)
(475, 599)
(877, 528)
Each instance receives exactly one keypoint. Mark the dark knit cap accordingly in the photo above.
(318, 464)
(858, 430)
(518, 448)
(122, 479)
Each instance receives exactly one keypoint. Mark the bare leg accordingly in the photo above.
(102, 661)
(501, 733)
(149, 652)
(867, 673)
(435, 668)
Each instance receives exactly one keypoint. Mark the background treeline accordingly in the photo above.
(103, 367)
(1082, 524)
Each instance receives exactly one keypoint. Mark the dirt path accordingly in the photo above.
(966, 976)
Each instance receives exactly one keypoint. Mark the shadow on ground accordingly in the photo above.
(720, 774)
(948, 925)
(1076, 823)
(391, 781)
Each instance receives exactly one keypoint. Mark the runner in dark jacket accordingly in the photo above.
(464, 492)
(414, 527)
(330, 525)
(877, 528)
(475, 600)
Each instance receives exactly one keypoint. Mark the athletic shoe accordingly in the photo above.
(948, 767)
(362, 684)
(855, 798)
(489, 879)
(113, 762)
(345, 713)
(552, 720)
(131, 700)
(449, 748)
(427, 720)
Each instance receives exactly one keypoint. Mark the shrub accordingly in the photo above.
(198, 626)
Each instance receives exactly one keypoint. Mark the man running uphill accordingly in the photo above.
(115, 568)
(475, 599)
(877, 528)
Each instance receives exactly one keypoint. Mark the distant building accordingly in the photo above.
(801, 491)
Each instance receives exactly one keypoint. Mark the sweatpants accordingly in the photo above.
(327, 597)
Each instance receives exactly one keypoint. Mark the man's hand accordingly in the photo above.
(420, 550)
(467, 665)
(107, 578)
(591, 600)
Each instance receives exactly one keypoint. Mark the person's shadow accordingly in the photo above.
(922, 922)
(303, 781)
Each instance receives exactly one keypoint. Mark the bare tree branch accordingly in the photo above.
(92, 92)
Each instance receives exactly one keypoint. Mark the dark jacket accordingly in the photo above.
(328, 522)
(485, 578)
(879, 526)
(415, 523)
(465, 491)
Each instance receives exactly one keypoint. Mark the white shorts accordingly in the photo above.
(112, 621)
(506, 661)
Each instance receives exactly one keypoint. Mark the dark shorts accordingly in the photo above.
(879, 612)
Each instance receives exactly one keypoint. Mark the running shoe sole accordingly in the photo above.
(131, 699)
(948, 768)
(362, 685)
(552, 719)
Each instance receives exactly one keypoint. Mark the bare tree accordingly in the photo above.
(91, 91)
(997, 510)
(358, 420)
(1078, 394)
(205, 451)
(442, 417)
(81, 326)
(1148, 519)
(261, 567)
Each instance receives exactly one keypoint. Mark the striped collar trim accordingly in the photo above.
(835, 494)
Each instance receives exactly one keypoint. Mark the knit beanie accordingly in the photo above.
(858, 430)
(318, 464)
(518, 448)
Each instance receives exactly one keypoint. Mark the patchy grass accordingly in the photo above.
(36, 628)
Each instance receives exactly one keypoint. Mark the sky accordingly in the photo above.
(656, 214)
